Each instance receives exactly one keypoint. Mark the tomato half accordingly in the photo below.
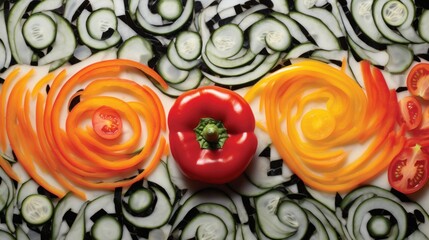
(411, 112)
(107, 123)
(418, 80)
(408, 171)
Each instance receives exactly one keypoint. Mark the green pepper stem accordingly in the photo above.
(210, 133)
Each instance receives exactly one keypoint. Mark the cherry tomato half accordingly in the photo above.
(418, 80)
(411, 112)
(107, 123)
(408, 171)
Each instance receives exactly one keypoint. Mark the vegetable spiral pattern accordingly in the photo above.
(70, 149)
(324, 101)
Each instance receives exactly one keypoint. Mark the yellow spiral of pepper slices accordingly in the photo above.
(327, 129)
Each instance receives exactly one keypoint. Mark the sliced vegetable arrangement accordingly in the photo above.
(310, 114)
(86, 87)
(93, 156)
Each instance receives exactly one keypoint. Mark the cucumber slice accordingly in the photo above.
(400, 58)
(5, 53)
(226, 41)
(137, 49)
(279, 222)
(394, 13)
(308, 8)
(222, 212)
(321, 34)
(21, 52)
(101, 21)
(263, 68)
(4, 194)
(169, 9)
(293, 27)
(157, 218)
(87, 39)
(205, 226)
(169, 72)
(407, 29)
(388, 205)
(37, 209)
(178, 61)
(379, 227)
(186, 14)
(68, 204)
(250, 19)
(385, 30)
(232, 62)
(188, 45)
(63, 46)
(300, 50)
(39, 31)
(191, 82)
(6, 236)
(106, 228)
(424, 25)
(362, 14)
(270, 33)
(140, 200)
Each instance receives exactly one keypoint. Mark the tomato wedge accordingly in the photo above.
(418, 80)
(107, 123)
(411, 112)
(408, 171)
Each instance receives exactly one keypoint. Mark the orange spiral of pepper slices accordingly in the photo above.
(69, 150)
(316, 115)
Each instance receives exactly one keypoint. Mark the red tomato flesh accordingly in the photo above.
(107, 123)
(411, 112)
(418, 80)
(408, 172)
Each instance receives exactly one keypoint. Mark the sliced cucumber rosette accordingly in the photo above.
(362, 14)
(42, 38)
(372, 212)
(150, 212)
(280, 218)
(389, 13)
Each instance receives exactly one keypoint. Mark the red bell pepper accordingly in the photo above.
(212, 134)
